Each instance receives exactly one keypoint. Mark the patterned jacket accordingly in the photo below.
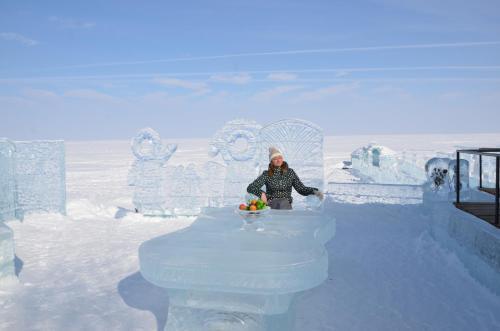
(279, 185)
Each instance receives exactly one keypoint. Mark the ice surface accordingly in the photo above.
(7, 180)
(7, 270)
(40, 172)
(369, 274)
(238, 145)
(383, 165)
(214, 265)
(147, 174)
(301, 143)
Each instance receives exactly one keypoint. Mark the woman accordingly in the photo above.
(279, 180)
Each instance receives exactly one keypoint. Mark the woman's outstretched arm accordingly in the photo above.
(300, 187)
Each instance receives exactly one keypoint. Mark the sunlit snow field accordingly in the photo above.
(80, 271)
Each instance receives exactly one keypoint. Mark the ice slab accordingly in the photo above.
(220, 265)
(213, 177)
(7, 268)
(7, 180)
(40, 174)
(184, 188)
(464, 175)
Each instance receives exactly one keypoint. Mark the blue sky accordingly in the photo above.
(104, 69)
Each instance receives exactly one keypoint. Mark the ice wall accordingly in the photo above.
(7, 269)
(185, 190)
(7, 180)
(382, 165)
(213, 177)
(40, 176)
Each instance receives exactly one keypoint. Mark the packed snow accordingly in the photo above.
(386, 271)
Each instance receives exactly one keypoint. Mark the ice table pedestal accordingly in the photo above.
(224, 275)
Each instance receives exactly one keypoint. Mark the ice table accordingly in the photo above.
(223, 274)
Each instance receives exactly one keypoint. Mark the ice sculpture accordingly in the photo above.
(213, 177)
(223, 276)
(437, 172)
(238, 144)
(382, 165)
(7, 180)
(7, 269)
(147, 174)
(40, 176)
(301, 143)
(184, 191)
(464, 174)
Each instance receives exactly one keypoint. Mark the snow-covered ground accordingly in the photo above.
(80, 271)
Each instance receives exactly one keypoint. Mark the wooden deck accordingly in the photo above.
(490, 190)
(482, 210)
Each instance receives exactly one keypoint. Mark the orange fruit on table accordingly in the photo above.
(243, 207)
(253, 207)
(253, 202)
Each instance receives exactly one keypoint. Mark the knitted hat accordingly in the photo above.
(273, 152)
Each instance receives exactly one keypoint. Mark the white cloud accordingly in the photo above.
(182, 83)
(38, 93)
(198, 87)
(341, 73)
(90, 94)
(281, 76)
(69, 23)
(328, 91)
(239, 79)
(275, 91)
(12, 36)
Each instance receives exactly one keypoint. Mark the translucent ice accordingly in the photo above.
(301, 143)
(40, 172)
(147, 174)
(464, 174)
(238, 144)
(213, 176)
(437, 172)
(7, 180)
(184, 191)
(383, 165)
(7, 271)
(218, 271)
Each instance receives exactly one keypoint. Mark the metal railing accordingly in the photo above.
(492, 152)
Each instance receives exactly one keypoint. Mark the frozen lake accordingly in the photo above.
(80, 271)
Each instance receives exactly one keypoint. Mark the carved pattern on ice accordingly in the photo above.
(301, 143)
(241, 163)
(147, 174)
(184, 191)
(40, 176)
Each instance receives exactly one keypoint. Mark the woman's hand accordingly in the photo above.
(263, 197)
(319, 194)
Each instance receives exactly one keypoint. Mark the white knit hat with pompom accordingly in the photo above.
(274, 152)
